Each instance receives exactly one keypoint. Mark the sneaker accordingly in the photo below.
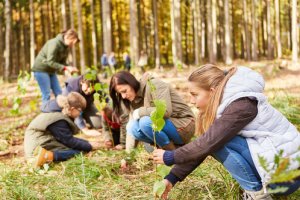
(42, 156)
(256, 195)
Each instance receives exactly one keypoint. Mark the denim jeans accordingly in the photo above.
(47, 82)
(62, 155)
(236, 158)
(141, 130)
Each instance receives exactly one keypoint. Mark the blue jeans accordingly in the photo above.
(141, 130)
(62, 155)
(46, 83)
(236, 158)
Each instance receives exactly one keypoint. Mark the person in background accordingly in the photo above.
(127, 61)
(49, 137)
(52, 59)
(112, 62)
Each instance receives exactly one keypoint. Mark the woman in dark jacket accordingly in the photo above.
(52, 60)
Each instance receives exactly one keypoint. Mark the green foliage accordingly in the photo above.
(163, 170)
(157, 116)
(158, 188)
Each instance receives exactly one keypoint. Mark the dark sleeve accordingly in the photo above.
(235, 117)
(63, 133)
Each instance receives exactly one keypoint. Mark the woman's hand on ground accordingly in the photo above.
(158, 156)
(95, 145)
(169, 186)
(119, 147)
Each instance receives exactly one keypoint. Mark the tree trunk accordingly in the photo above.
(106, 25)
(1, 41)
(197, 29)
(294, 32)
(156, 39)
(254, 27)
(228, 38)
(64, 14)
(176, 32)
(134, 45)
(277, 29)
(32, 39)
(94, 36)
(211, 31)
(74, 60)
(247, 39)
(7, 39)
(80, 34)
(269, 33)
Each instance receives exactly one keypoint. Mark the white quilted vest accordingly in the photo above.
(270, 131)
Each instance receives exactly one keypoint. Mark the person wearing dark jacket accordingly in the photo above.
(52, 60)
(49, 137)
(237, 126)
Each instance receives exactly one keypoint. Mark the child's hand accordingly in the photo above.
(119, 147)
(95, 145)
(158, 156)
(92, 133)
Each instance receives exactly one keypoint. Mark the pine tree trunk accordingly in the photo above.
(254, 27)
(64, 14)
(134, 46)
(269, 33)
(176, 32)
(7, 39)
(156, 39)
(294, 32)
(32, 31)
(247, 39)
(277, 28)
(74, 59)
(211, 31)
(196, 30)
(94, 35)
(107, 26)
(80, 34)
(228, 38)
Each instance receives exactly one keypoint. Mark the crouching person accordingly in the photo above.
(49, 137)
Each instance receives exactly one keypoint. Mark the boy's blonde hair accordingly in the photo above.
(206, 77)
(74, 99)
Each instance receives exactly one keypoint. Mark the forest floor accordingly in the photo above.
(98, 175)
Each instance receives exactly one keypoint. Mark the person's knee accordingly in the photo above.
(145, 123)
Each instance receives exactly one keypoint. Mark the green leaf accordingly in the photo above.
(277, 190)
(263, 163)
(158, 188)
(163, 170)
(89, 76)
(96, 96)
(97, 87)
(158, 125)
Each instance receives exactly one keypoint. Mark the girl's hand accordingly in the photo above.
(72, 69)
(119, 147)
(108, 144)
(169, 186)
(158, 156)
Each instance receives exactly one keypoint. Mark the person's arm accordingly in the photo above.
(162, 92)
(62, 132)
(235, 117)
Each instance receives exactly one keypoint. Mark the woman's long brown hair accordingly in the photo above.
(207, 77)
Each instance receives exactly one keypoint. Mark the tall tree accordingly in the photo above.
(80, 34)
(156, 39)
(294, 32)
(64, 14)
(1, 38)
(197, 29)
(247, 39)
(277, 29)
(74, 60)
(254, 27)
(269, 33)
(7, 39)
(134, 46)
(94, 35)
(212, 31)
(176, 32)
(107, 26)
(32, 31)
(228, 52)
